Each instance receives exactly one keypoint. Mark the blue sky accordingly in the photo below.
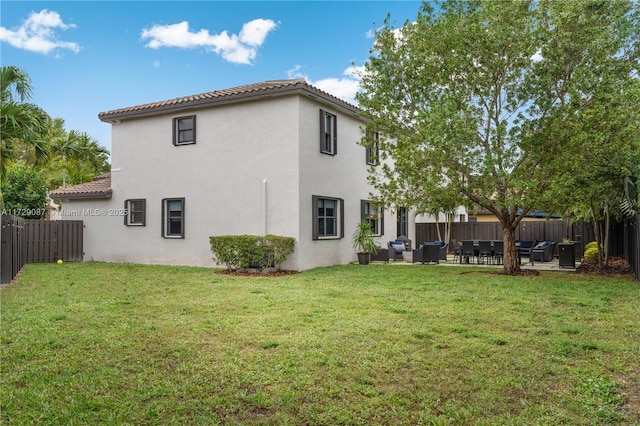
(84, 57)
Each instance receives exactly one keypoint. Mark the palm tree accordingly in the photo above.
(19, 121)
(77, 153)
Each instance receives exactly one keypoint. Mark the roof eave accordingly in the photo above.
(114, 117)
(102, 195)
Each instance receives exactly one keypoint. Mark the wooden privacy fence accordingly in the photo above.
(526, 231)
(12, 250)
(632, 243)
(37, 241)
(624, 236)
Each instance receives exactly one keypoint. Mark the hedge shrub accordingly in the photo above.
(591, 252)
(251, 251)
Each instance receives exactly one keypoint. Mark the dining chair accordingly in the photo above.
(468, 250)
(484, 251)
(457, 250)
(498, 251)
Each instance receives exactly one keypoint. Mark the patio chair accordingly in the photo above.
(498, 252)
(468, 250)
(457, 250)
(443, 252)
(431, 253)
(396, 248)
(484, 251)
(381, 256)
(406, 241)
(543, 251)
(524, 247)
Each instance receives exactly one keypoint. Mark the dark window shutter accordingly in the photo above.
(341, 201)
(314, 216)
(335, 135)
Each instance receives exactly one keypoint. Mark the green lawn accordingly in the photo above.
(95, 343)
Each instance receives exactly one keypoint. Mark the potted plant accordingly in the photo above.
(364, 242)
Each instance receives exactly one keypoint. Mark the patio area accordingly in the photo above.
(552, 265)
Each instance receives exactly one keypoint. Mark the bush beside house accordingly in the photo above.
(245, 252)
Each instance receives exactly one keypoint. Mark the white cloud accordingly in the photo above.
(344, 87)
(253, 33)
(239, 49)
(38, 33)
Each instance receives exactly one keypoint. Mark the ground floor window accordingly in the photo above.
(327, 217)
(373, 214)
(135, 212)
(173, 218)
(402, 221)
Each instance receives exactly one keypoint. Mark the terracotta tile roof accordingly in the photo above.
(234, 94)
(99, 187)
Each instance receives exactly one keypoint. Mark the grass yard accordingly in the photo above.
(96, 343)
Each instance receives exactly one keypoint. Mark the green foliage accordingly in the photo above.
(591, 245)
(592, 252)
(591, 255)
(28, 133)
(24, 192)
(19, 121)
(363, 239)
(513, 105)
(251, 251)
(75, 157)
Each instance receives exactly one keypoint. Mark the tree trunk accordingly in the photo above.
(511, 263)
(438, 227)
(605, 239)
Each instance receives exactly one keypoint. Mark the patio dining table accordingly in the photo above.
(476, 249)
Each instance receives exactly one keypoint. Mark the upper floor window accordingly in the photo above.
(373, 151)
(135, 212)
(328, 133)
(372, 213)
(173, 218)
(184, 130)
(327, 217)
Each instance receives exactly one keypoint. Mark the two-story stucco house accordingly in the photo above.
(278, 157)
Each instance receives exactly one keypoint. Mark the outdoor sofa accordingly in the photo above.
(430, 252)
(543, 251)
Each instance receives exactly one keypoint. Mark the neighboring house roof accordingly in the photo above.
(235, 94)
(100, 187)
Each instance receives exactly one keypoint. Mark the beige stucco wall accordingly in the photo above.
(241, 151)
(341, 176)
(222, 178)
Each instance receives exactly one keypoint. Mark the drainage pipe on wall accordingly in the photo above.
(264, 207)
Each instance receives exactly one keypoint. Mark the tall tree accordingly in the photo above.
(481, 98)
(595, 190)
(24, 192)
(73, 157)
(19, 120)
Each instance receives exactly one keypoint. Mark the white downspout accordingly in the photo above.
(264, 206)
